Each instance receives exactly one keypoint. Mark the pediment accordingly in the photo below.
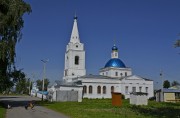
(133, 77)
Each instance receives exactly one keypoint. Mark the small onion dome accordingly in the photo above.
(75, 16)
(114, 48)
(115, 63)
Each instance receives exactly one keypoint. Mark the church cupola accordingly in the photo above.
(115, 61)
(114, 53)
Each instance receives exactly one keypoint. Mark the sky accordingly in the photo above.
(143, 30)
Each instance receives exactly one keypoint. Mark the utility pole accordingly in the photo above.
(44, 74)
(29, 86)
(162, 95)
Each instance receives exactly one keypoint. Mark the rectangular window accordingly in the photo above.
(126, 89)
(133, 89)
(76, 62)
(125, 73)
(116, 73)
(65, 72)
(140, 89)
(177, 95)
(146, 89)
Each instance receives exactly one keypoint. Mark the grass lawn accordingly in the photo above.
(94, 108)
(2, 111)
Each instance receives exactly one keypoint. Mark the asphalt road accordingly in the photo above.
(18, 108)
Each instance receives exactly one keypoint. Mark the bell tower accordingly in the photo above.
(74, 56)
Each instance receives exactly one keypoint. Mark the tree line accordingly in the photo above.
(167, 84)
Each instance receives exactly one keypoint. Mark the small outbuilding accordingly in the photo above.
(139, 98)
(171, 94)
(116, 99)
(61, 91)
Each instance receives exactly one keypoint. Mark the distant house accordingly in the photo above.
(34, 89)
(171, 94)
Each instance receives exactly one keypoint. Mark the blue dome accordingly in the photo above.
(115, 63)
(114, 48)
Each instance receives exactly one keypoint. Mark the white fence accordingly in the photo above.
(39, 95)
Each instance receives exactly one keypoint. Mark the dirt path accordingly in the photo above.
(18, 110)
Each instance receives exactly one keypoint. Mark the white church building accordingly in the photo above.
(115, 76)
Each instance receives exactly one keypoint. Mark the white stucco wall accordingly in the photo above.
(119, 86)
(138, 99)
(137, 82)
(100, 82)
(66, 88)
(76, 88)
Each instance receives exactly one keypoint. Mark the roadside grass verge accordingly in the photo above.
(102, 108)
(2, 111)
(13, 94)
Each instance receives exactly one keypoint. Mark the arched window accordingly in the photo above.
(99, 89)
(76, 62)
(90, 89)
(116, 54)
(112, 88)
(85, 89)
(104, 89)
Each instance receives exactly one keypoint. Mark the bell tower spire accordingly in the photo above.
(75, 34)
(74, 56)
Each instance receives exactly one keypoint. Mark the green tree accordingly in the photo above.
(166, 84)
(40, 83)
(22, 86)
(17, 75)
(175, 83)
(20, 80)
(46, 83)
(11, 23)
(177, 43)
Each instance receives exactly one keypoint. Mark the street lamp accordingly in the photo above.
(44, 75)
